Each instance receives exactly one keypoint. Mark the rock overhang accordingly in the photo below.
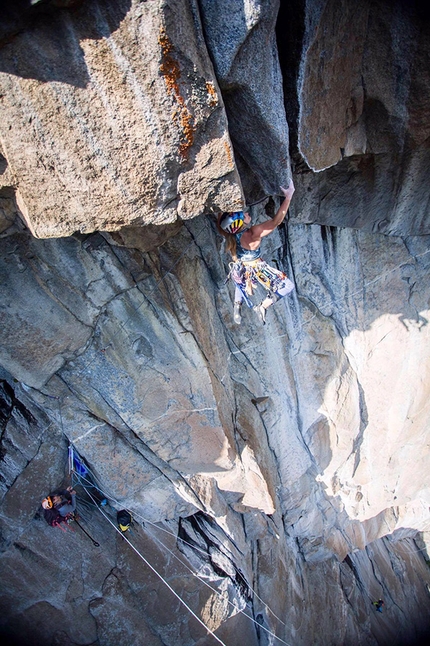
(102, 131)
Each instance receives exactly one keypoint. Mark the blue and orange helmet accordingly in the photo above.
(232, 222)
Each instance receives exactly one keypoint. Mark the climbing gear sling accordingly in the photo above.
(55, 519)
(248, 275)
(86, 533)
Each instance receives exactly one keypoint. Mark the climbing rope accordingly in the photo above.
(70, 458)
(219, 593)
(194, 547)
(155, 572)
(182, 562)
(90, 484)
(361, 289)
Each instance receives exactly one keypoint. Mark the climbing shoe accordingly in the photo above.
(261, 312)
(236, 313)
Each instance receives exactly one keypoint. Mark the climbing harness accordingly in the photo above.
(304, 323)
(55, 519)
(63, 522)
(247, 275)
(341, 310)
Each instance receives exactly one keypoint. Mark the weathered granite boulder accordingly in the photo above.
(241, 42)
(112, 116)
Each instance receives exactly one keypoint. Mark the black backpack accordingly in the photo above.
(123, 518)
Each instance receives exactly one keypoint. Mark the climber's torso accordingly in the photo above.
(244, 249)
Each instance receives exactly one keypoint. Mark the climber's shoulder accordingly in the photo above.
(261, 230)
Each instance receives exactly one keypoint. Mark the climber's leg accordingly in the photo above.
(238, 298)
(271, 299)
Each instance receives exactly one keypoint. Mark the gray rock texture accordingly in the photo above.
(357, 98)
(112, 116)
(158, 399)
(242, 44)
(277, 476)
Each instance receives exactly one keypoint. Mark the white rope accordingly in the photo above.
(70, 457)
(155, 571)
(204, 553)
(219, 593)
(376, 279)
(166, 531)
(386, 273)
(408, 548)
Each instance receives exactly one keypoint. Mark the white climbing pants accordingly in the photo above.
(287, 287)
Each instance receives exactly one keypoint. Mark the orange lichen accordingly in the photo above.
(213, 96)
(188, 129)
(228, 152)
(169, 66)
(171, 72)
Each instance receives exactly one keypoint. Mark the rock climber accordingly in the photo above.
(248, 270)
(63, 501)
(59, 507)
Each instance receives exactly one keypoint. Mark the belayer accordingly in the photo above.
(59, 506)
(248, 270)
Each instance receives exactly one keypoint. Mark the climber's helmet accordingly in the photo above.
(47, 503)
(232, 222)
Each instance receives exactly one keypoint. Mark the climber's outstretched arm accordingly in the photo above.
(260, 230)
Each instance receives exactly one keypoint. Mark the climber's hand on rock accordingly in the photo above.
(288, 192)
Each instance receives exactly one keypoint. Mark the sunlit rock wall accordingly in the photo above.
(111, 116)
(163, 401)
(286, 465)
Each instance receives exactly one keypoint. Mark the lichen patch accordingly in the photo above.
(171, 72)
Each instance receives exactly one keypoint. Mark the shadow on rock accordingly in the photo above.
(42, 40)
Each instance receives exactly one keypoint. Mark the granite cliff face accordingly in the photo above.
(286, 466)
